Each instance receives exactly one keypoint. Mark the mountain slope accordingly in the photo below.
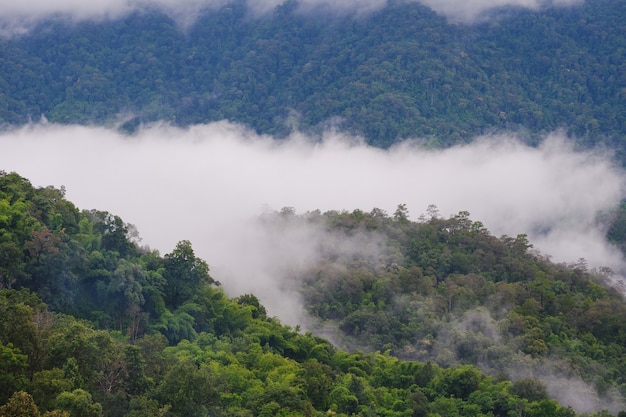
(162, 339)
(400, 72)
(447, 291)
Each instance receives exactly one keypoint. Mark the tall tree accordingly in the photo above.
(185, 273)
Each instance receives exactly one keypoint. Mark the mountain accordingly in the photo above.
(425, 317)
(445, 290)
(125, 331)
(399, 72)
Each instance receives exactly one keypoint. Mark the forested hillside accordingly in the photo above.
(400, 72)
(94, 325)
(447, 291)
(427, 317)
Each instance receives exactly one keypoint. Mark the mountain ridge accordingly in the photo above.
(440, 290)
(401, 72)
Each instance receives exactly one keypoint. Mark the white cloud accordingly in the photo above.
(210, 182)
(470, 10)
(19, 16)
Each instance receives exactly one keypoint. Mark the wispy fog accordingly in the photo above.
(210, 184)
(471, 10)
(20, 15)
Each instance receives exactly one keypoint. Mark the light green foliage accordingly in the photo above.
(78, 403)
(176, 326)
(20, 404)
(463, 381)
(342, 400)
(258, 311)
(144, 407)
(189, 389)
(145, 335)
(15, 227)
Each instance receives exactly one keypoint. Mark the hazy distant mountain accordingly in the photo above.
(398, 72)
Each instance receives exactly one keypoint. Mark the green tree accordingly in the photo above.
(191, 391)
(47, 384)
(258, 311)
(13, 366)
(463, 381)
(137, 382)
(20, 404)
(24, 322)
(184, 273)
(114, 232)
(530, 388)
(142, 406)
(79, 403)
(318, 383)
(126, 296)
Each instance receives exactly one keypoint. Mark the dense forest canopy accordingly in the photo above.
(427, 317)
(95, 325)
(402, 71)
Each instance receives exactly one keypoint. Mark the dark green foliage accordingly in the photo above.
(12, 371)
(48, 384)
(463, 381)
(137, 382)
(190, 390)
(397, 73)
(258, 311)
(531, 389)
(184, 274)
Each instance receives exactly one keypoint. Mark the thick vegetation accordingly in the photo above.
(93, 325)
(447, 291)
(397, 73)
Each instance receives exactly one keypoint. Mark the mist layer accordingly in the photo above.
(210, 183)
(18, 16)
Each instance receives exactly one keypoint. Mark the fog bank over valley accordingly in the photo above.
(210, 184)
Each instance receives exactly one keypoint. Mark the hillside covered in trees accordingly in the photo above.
(399, 72)
(429, 318)
(447, 291)
(95, 325)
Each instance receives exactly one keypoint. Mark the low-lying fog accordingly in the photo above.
(209, 183)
